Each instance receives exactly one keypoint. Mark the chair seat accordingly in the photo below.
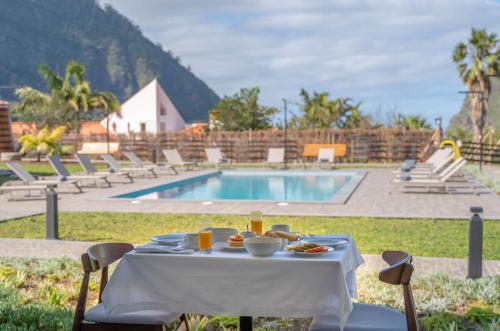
(148, 317)
(362, 318)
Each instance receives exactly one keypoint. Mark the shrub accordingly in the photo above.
(442, 321)
(481, 316)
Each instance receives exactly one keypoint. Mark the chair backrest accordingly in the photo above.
(440, 164)
(58, 166)
(20, 172)
(134, 159)
(452, 169)
(399, 272)
(326, 154)
(111, 161)
(172, 156)
(97, 257)
(214, 155)
(85, 162)
(438, 155)
(276, 155)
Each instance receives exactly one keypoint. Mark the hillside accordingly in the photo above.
(117, 56)
(462, 119)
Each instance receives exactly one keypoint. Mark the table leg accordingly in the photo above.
(246, 323)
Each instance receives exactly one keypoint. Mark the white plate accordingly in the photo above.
(304, 254)
(169, 239)
(325, 241)
(224, 245)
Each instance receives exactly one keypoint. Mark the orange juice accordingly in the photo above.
(205, 240)
(256, 225)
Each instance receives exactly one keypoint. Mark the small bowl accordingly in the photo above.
(262, 246)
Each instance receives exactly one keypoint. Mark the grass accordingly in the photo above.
(41, 295)
(421, 237)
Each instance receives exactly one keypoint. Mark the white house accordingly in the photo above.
(149, 110)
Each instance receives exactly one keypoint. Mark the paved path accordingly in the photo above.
(374, 197)
(57, 248)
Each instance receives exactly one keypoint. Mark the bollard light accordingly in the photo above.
(52, 218)
(475, 265)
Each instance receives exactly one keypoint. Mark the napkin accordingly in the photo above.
(153, 248)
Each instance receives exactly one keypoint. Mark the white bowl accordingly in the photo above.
(222, 234)
(262, 246)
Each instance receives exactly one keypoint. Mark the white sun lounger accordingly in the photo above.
(61, 170)
(434, 159)
(8, 190)
(29, 179)
(275, 155)
(174, 158)
(137, 162)
(89, 168)
(442, 180)
(214, 156)
(117, 167)
(438, 165)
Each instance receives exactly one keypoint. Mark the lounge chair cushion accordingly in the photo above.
(363, 317)
(149, 317)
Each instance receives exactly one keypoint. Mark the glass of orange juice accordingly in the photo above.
(205, 237)
(256, 222)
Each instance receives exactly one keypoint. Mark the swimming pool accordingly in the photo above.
(275, 186)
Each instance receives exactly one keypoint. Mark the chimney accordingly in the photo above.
(5, 130)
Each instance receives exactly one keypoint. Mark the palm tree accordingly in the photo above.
(44, 142)
(72, 90)
(476, 60)
(411, 122)
(109, 104)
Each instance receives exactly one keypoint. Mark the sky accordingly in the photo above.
(392, 55)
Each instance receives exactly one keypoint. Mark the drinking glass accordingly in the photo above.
(205, 237)
(256, 222)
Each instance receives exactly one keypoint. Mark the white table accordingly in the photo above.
(227, 283)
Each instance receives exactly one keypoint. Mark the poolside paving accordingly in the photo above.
(43, 249)
(374, 197)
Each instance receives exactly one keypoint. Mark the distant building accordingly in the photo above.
(148, 111)
(86, 129)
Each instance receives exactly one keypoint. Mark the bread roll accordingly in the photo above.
(288, 235)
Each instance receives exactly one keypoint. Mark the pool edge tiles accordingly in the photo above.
(339, 197)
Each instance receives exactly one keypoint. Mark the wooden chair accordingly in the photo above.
(99, 257)
(366, 317)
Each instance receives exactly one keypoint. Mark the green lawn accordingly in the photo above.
(421, 237)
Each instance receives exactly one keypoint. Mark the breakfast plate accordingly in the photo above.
(172, 239)
(304, 249)
(224, 245)
(304, 254)
(332, 242)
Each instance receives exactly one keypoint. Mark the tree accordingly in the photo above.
(45, 142)
(411, 122)
(476, 59)
(68, 97)
(321, 112)
(108, 103)
(242, 112)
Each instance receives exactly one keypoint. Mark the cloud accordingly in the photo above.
(382, 52)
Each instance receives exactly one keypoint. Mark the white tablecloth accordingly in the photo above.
(226, 283)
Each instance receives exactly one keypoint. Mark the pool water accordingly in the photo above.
(290, 186)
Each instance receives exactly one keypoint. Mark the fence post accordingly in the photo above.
(52, 219)
(475, 267)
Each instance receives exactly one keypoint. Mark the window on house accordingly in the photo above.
(163, 127)
(163, 110)
(128, 127)
(113, 126)
(143, 127)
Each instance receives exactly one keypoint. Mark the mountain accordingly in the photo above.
(117, 56)
(462, 119)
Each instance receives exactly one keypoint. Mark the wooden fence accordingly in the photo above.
(472, 152)
(379, 145)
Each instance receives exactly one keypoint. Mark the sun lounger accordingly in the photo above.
(116, 166)
(275, 156)
(29, 179)
(137, 162)
(61, 170)
(215, 156)
(443, 180)
(89, 168)
(431, 162)
(437, 166)
(174, 158)
(8, 190)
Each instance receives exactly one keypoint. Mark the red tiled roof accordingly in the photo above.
(86, 128)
